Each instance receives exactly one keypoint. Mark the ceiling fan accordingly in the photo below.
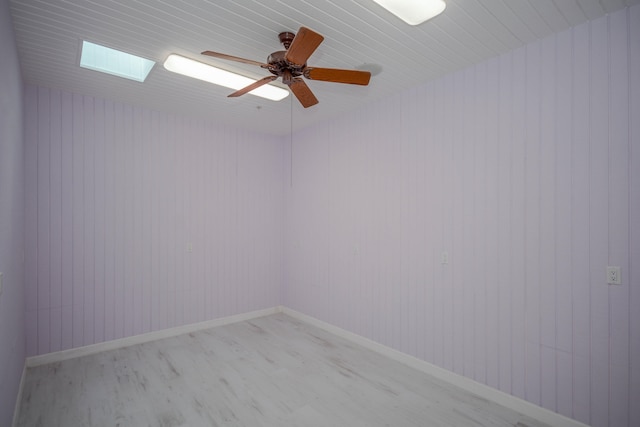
(291, 64)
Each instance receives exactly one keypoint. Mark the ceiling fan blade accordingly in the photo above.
(234, 58)
(303, 93)
(252, 86)
(302, 46)
(354, 77)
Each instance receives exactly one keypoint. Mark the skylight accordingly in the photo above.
(413, 12)
(111, 61)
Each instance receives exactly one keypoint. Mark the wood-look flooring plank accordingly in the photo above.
(271, 371)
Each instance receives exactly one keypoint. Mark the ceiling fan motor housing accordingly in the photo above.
(278, 64)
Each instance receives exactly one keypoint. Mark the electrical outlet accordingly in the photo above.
(444, 258)
(613, 275)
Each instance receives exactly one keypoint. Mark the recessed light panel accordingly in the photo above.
(413, 12)
(111, 61)
(208, 73)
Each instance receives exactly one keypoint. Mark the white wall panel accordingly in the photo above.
(139, 221)
(13, 168)
(521, 168)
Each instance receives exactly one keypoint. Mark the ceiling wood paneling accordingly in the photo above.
(49, 34)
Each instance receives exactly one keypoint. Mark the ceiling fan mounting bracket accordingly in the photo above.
(286, 38)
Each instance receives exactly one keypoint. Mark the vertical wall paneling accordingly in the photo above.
(532, 220)
(77, 202)
(134, 218)
(458, 245)
(522, 169)
(562, 202)
(634, 212)
(182, 242)
(491, 183)
(18, 318)
(448, 202)
(136, 212)
(440, 177)
(468, 214)
(66, 229)
(120, 188)
(31, 222)
(432, 196)
(99, 221)
(580, 298)
(599, 104)
(55, 220)
(481, 217)
(109, 221)
(518, 215)
(547, 237)
(618, 228)
(411, 247)
(148, 162)
(42, 226)
(504, 214)
(88, 141)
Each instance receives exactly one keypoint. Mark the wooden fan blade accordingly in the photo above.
(234, 58)
(303, 93)
(252, 86)
(302, 46)
(354, 77)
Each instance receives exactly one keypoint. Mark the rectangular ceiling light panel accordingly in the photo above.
(111, 61)
(208, 73)
(413, 12)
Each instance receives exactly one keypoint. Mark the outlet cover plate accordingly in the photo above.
(613, 275)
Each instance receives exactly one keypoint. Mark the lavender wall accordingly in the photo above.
(12, 330)
(526, 170)
(117, 196)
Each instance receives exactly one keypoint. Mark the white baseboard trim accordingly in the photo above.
(72, 353)
(494, 395)
(16, 408)
(497, 396)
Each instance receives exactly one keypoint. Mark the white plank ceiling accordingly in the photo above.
(357, 32)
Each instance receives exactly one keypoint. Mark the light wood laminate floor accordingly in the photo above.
(270, 371)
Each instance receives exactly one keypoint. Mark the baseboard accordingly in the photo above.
(72, 353)
(497, 396)
(16, 408)
(494, 395)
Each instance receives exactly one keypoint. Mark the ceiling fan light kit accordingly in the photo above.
(413, 12)
(208, 73)
(291, 65)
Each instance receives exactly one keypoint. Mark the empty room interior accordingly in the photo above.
(375, 218)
